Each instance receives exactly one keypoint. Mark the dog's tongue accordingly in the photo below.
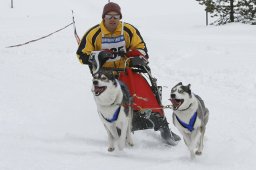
(174, 102)
(98, 90)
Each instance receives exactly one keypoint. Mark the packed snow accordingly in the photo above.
(48, 117)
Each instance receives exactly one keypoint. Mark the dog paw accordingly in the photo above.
(131, 144)
(192, 156)
(121, 147)
(111, 149)
(198, 152)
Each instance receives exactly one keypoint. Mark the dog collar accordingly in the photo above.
(191, 124)
(186, 108)
(115, 116)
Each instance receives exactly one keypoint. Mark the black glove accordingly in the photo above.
(104, 55)
(98, 58)
(138, 62)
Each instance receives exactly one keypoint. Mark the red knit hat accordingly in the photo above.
(111, 6)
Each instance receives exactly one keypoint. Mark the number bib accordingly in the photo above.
(114, 44)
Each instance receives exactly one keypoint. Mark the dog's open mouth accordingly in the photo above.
(99, 89)
(176, 103)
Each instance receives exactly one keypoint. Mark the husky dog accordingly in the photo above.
(113, 102)
(190, 116)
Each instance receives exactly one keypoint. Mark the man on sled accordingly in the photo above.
(114, 45)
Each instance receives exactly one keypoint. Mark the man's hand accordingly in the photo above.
(134, 53)
(106, 54)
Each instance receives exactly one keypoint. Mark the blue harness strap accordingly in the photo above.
(191, 124)
(115, 116)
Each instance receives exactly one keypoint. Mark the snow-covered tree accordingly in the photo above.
(247, 11)
(226, 11)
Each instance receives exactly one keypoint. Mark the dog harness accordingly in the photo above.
(115, 116)
(191, 124)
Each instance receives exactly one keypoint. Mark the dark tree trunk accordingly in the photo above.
(232, 11)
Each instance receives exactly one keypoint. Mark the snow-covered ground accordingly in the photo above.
(48, 118)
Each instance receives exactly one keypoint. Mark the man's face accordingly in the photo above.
(111, 20)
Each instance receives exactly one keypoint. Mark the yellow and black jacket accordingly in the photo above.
(92, 40)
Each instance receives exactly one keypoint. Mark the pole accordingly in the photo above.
(78, 40)
(206, 18)
(11, 3)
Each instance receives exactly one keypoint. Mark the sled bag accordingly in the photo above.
(143, 96)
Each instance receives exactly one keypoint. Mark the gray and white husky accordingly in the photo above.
(113, 104)
(190, 116)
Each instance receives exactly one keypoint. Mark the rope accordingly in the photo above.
(140, 98)
(74, 26)
(18, 45)
(145, 99)
(163, 107)
(72, 23)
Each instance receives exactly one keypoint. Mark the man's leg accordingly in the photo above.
(141, 122)
(161, 124)
(154, 120)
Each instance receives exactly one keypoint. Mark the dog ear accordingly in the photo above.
(174, 88)
(180, 83)
(189, 90)
(115, 82)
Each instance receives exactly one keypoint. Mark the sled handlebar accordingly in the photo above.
(137, 70)
(137, 63)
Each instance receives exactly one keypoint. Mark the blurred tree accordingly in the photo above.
(247, 11)
(227, 11)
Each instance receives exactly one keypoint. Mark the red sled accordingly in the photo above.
(145, 96)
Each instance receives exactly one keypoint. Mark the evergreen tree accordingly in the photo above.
(227, 11)
(247, 11)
